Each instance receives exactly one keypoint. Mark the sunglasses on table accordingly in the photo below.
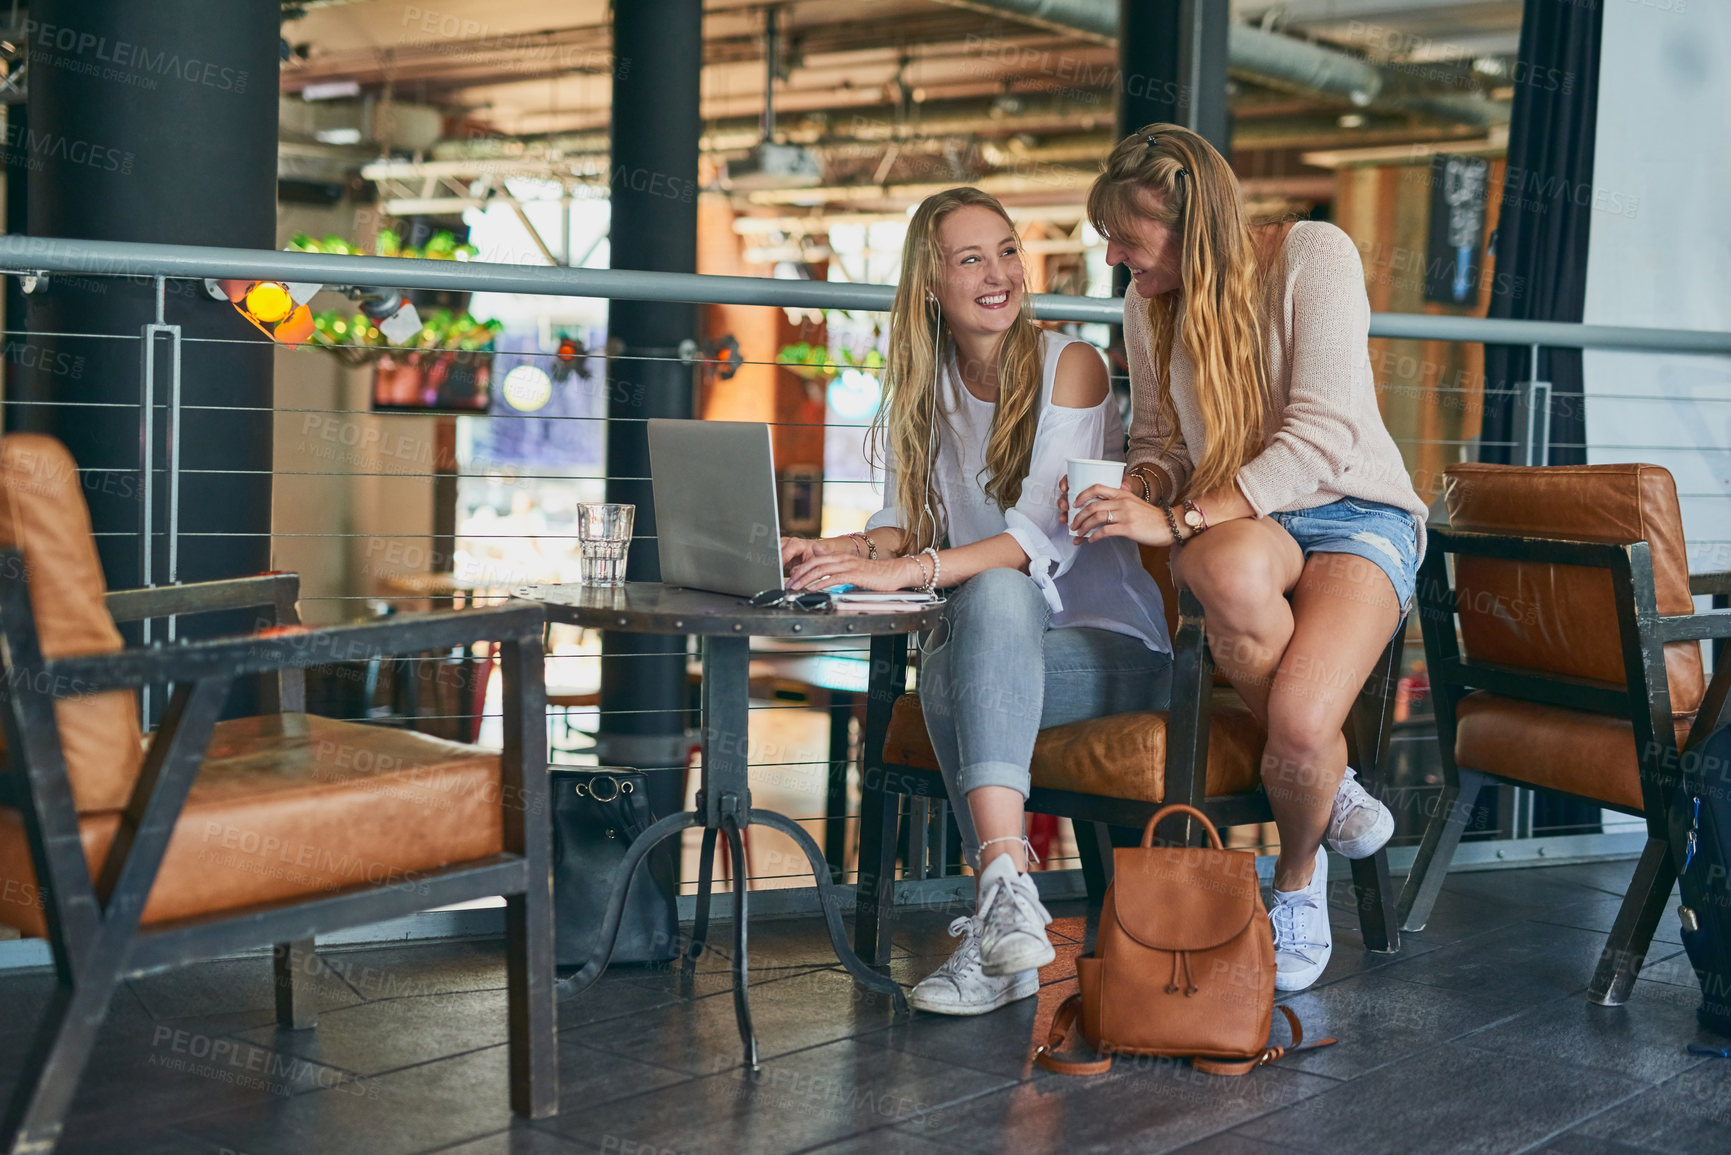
(812, 601)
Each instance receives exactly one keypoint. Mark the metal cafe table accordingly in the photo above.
(727, 625)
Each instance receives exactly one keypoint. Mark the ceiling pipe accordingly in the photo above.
(1268, 58)
(1301, 65)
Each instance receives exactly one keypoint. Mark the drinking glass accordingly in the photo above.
(603, 538)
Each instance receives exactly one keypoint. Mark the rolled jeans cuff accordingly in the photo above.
(971, 778)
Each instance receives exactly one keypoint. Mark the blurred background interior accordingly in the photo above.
(446, 469)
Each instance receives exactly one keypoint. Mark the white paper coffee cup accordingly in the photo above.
(1086, 471)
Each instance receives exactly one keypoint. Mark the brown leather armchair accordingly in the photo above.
(1111, 774)
(220, 836)
(1575, 666)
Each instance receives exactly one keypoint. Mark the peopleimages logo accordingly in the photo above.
(29, 146)
(89, 53)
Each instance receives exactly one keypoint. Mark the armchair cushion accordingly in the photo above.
(42, 513)
(1592, 755)
(1563, 619)
(1120, 756)
(294, 804)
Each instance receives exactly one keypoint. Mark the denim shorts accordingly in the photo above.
(1384, 535)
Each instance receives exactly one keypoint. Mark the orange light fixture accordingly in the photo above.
(269, 302)
(278, 308)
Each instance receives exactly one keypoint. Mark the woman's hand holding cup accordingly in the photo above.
(1083, 473)
(1104, 508)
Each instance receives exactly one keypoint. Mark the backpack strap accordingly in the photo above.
(1070, 1008)
(1272, 1054)
(1062, 1021)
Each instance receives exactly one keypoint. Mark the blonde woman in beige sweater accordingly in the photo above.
(1257, 447)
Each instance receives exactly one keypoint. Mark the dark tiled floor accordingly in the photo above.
(1476, 1037)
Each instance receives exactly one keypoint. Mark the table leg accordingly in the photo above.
(726, 698)
(741, 978)
(724, 806)
(829, 901)
(705, 883)
(835, 798)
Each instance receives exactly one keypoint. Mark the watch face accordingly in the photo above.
(1192, 518)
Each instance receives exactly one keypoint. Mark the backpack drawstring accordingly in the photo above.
(1189, 988)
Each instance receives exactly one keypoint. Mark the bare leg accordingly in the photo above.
(1297, 664)
(998, 813)
(1344, 609)
(1241, 571)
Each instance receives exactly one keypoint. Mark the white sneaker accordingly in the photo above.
(1358, 825)
(1012, 921)
(960, 987)
(1303, 940)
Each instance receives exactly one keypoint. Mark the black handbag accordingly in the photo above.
(596, 816)
(1701, 847)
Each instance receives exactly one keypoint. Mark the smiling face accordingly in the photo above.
(980, 279)
(1151, 252)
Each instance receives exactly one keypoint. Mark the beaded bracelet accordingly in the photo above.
(1173, 522)
(937, 568)
(922, 568)
(871, 546)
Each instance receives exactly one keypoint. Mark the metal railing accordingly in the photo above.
(27, 255)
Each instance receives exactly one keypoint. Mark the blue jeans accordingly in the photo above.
(993, 674)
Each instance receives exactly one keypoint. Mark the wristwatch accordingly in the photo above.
(1194, 518)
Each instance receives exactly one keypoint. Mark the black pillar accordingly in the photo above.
(1172, 70)
(658, 60)
(18, 347)
(1172, 58)
(154, 122)
(1540, 250)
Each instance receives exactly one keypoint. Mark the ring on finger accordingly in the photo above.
(1108, 516)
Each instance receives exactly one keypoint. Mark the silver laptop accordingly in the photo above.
(716, 519)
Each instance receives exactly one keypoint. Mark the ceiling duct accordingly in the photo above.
(1270, 59)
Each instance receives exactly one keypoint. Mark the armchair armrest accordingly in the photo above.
(1513, 547)
(293, 647)
(1714, 584)
(265, 589)
(1703, 625)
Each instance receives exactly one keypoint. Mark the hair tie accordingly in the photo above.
(1183, 172)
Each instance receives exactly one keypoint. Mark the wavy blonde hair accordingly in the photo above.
(1170, 175)
(919, 341)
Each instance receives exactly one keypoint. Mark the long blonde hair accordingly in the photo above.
(1216, 310)
(909, 419)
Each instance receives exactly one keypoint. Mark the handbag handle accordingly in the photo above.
(1071, 1008)
(1062, 1022)
(1180, 808)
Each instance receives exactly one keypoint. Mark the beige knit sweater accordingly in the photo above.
(1328, 441)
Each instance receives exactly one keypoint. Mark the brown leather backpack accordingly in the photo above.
(1183, 963)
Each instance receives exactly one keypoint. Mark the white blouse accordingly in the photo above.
(1101, 583)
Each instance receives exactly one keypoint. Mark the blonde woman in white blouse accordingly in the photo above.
(982, 410)
(1257, 446)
